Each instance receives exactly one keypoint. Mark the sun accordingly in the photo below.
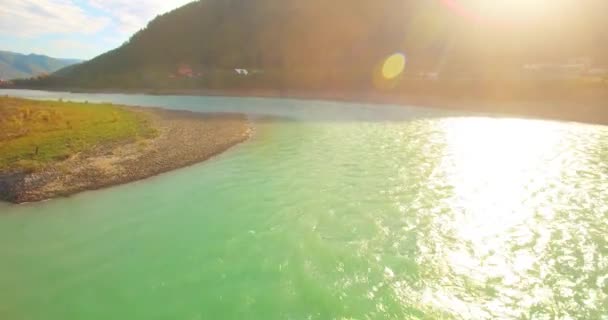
(497, 11)
(511, 8)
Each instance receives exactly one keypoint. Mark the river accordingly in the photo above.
(331, 211)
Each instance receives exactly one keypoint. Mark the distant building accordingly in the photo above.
(185, 70)
(426, 75)
(243, 72)
(571, 68)
(581, 61)
(598, 72)
(556, 70)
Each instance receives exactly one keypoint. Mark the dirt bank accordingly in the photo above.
(184, 138)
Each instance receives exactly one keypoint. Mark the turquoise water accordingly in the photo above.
(331, 211)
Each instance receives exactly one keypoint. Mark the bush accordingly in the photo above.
(17, 122)
(142, 144)
(44, 116)
(29, 166)
(26, 113)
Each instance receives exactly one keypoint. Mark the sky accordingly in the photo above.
(78, 29)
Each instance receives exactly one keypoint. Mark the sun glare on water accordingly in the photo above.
(494, 165)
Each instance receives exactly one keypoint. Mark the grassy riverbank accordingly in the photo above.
(36, 133)
(50, 149)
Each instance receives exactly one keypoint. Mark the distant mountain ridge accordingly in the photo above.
(16, 65)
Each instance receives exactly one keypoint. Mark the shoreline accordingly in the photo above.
(586, 106)
(184, 138)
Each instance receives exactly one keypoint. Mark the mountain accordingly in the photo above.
(16, 65)
(335, 44)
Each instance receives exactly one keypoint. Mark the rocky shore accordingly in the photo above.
(184, 138)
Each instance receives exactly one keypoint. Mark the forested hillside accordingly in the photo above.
(338, 43)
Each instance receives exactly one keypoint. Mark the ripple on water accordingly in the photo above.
(415, 218)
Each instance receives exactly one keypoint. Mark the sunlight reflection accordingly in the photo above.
(494, 165)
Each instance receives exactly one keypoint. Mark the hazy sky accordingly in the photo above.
(74, 28)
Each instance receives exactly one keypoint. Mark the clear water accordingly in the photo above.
(334, 211)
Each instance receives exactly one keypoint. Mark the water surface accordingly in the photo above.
(336, 211)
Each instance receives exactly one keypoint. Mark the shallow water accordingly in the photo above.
(337, 211)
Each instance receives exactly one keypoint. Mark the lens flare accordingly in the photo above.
(393, 66)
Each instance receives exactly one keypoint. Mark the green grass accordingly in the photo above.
(36, 133)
